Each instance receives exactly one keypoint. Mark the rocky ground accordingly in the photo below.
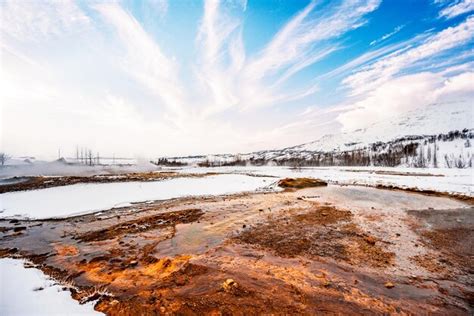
(314, 250)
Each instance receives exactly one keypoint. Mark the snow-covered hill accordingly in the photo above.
(438, 135)
(432, 120)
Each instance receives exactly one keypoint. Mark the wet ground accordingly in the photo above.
(321, 250)
(40, 182)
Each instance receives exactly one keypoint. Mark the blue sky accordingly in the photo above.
(153, 78)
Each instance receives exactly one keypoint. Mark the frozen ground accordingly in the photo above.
(29, 292)
(437, 179)
(81, 198)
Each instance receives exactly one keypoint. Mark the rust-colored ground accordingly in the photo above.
(293, 252)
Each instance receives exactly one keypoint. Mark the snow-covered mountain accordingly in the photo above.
(438, 135)
(432, 120)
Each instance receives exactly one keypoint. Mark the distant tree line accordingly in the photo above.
(168, 163)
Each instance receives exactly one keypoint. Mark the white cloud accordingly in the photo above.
(219, 40)
(294, 43)
(145, 61)
(382, 70)
(40, 20)
(457, 8)
(160, 7)
(244, 82)
(388, 35)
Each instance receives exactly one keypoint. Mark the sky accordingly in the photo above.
(169, 78)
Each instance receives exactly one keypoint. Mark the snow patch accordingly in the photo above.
(81, 198)
(30, 292)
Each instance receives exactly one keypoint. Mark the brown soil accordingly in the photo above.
(300, 183)
(449, 237)
(323, 231)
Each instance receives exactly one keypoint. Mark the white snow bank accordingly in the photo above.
(19, 294)
(80, 198)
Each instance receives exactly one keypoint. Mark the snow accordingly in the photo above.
(81, 198)
(19, 297)
(459, 181)
(432, 120)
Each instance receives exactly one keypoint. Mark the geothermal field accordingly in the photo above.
(238, 240)
(236, 157)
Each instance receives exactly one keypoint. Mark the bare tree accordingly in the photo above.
(3, 158)
(448, 162)
(428, 155)
(459, 162)
(89, 157)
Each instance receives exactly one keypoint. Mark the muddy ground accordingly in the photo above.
(41, 182)
(321, 250)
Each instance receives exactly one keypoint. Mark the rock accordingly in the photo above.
(114, 302)
(229, 286)
(180, 280)
(371, 240)
(133, 263)
(243, 226)
(389, 285)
